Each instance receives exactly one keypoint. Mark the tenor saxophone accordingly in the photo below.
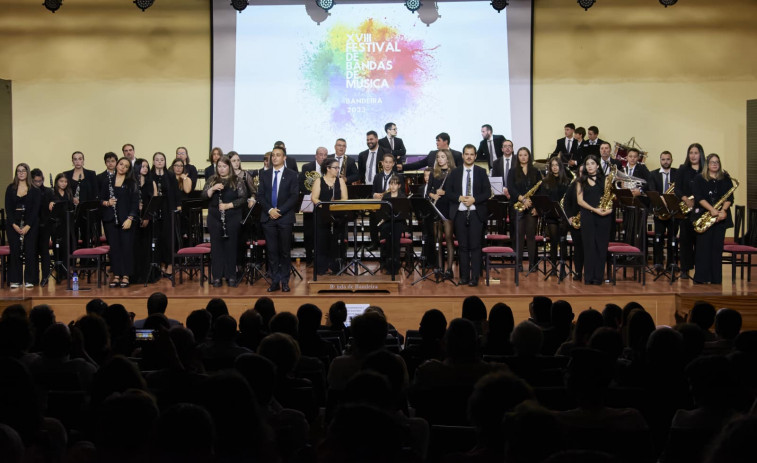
(605, 202)
(706, 220)
(519, 206)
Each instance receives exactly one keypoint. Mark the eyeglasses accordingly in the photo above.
(333, 167)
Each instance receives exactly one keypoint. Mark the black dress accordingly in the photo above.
(22, 211)
(595, 231)
(121, 241)
(687, 237)
(709, 249)
(168, 188)
(556, 229)
(440, 184)
(224, 233)
(518, 185)
(329, 234)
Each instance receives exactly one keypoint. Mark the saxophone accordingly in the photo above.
(706, 220)
(519, 206)
(605, 202)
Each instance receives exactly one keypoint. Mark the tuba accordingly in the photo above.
(519, 206)
(310, 177)
(605, 202)
(706, 220)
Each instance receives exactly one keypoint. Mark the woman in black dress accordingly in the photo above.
(247, 180)
(554, 186)
(686, 174)
(390, 234)
(120, 211)
(215, 155)
(329, 187)
(572, 209)
(227, 196)
(167, 187)
(437, 181)
(22, 202)
(520, 181)
(144, 233)
(708, 188)
(183, 154)
(61, 194)
(595, 222)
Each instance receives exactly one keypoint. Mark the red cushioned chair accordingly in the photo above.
(5, 251)
(739, 251)
(633, 252)
(190, 260)
(505, 254)
(497, 226)
(88, 259)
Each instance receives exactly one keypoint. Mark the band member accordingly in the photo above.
(709, 188)
(522, 178)
(606, 161)
(83, 183)
(635, 169)
(392, 143)
(103, 177)
(572, 209)
(490, 148)
(183, 181)
(566, 147)
(391, 231)
(369, 161)
(445, 164)
(143, 234)
(442, 143)
(687, 172)
(581, 152)
(165, 182)
(227, 195)
(22, 202)
(502, 168)
(468, 190)
(45, 228)
(183, 154)
(61, 194)
(347, 166)
(555, 186)
(312, 171)
(128, 153)
(329, 187)
(278, 195)
(249, 194)
(120, 208)
(595, 222)
(291, 162)
(660, 181)
(380, 188)
(592, 143)
(215, 154)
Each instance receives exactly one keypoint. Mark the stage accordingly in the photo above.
(405, 306)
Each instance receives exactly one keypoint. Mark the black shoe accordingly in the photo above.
(577, 278)
(449, 274)
(462, 282)
(217, 283)
(273, 287)
(285, 287)
(43, 283)
(232, 283)
(473, 282)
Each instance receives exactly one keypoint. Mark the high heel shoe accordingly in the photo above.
(115, 282)
(125, 282)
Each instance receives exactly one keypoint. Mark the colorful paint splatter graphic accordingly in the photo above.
(359, 70)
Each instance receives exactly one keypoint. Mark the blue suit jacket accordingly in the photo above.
(287, 198)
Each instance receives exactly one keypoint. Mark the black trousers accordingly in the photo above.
(709, 255)
(556, 231)
(596, 236)
(278, 238)
(121, 248)
(43, 249)
(578, 251)
(527, 230)
(391, 255)
(662, 231)
(223, 251)
(687, 243)
(307, 223)
(469, 237)
(328, 249)
(16, 272)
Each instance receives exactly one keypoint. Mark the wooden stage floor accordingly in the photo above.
(406, 305)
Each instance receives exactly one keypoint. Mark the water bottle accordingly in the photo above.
(75, 282)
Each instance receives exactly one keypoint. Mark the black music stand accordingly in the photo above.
(150, 213)
(545, 208)
(58, 216)
(292, 269)
(192, 209)
(88, 211)
(660, 203)
(400, 211)
(360, 192)
(425, 210)
(253, 271)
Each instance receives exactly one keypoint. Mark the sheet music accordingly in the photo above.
(496, 183)
(307, 204)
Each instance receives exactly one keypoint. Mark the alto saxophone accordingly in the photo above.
(605, 202)
(519, 206)
(706, 220)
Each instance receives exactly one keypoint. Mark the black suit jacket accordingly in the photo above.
(307, 167)
(561, 151)
(657, 181)
(430, 159)
(641, 171)
(209, 172)
(89, 186)
(291, 163)
(399, 150)
(287, 197)
(349, 169)
(483, 153)
(498, 169)
(378, 182)
(362, 159)
(613, 162)
(482, 190)
(586, 148)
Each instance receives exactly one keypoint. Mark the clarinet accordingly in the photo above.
(111, 182)
(78, 187)
(223, 213)
(51, 182)
(21, 225)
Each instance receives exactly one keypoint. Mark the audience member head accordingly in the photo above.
(474, 310)
(612, 315)
(461, 341)
(123, 426)
(250, 329)
(260, 374)
(433, 325)
(199, 323)
(217, 307)
(588, 321)
(338, 314)
(41, 317)
(746, 342)
(640, 326)
(627, 309)
(703, 315)
(393, 368)
(184, 433)
(539, 311)
(494, 395)
(608, 341)
(96, 307)
(533, 433)
(561, 314)
(157, 303)
(711, 382)
(117, 375)
(309, 318)
(184, 342)
(282, 350)
(224, 329)
(156, 321)
(16, 337)
(363, 433)
(15, 310)
(56, 342)
(120, 327)
(501, 321)
(693, 339)
(266, 308)
(369, 332)
(285, 322)
(527, 339)
(736, 443)
(588, 377)
(665, 350)
(727, 323)
(96, 337)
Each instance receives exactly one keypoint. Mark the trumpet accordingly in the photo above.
(706, 220)
(519, 206)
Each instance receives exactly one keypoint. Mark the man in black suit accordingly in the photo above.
(660, 181)
(605, 161)
(592, 143)
(566, 147)
(307, 217)
(635, 169)
(369, 161)
(490, 148)
(111, 160)
(347, 166)
(501, 168)
(128, 151)
(291, 163)
(468, 189)
(278, 195)
(442, 143)
(392, 143)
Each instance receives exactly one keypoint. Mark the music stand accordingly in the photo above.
(88, 211)
(252, 269)
(425, 209)
(545, 208)
(150, 213)
(400, 211)
(361, 192)
(58, 215)
(660, 204)
(192, 209)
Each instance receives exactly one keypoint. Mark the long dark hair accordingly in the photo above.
(687, 163)
(561, 179)
(66, 191)
(137, 171)
(231, 182)
(129, 176)
(584, 178)
(519, 171)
